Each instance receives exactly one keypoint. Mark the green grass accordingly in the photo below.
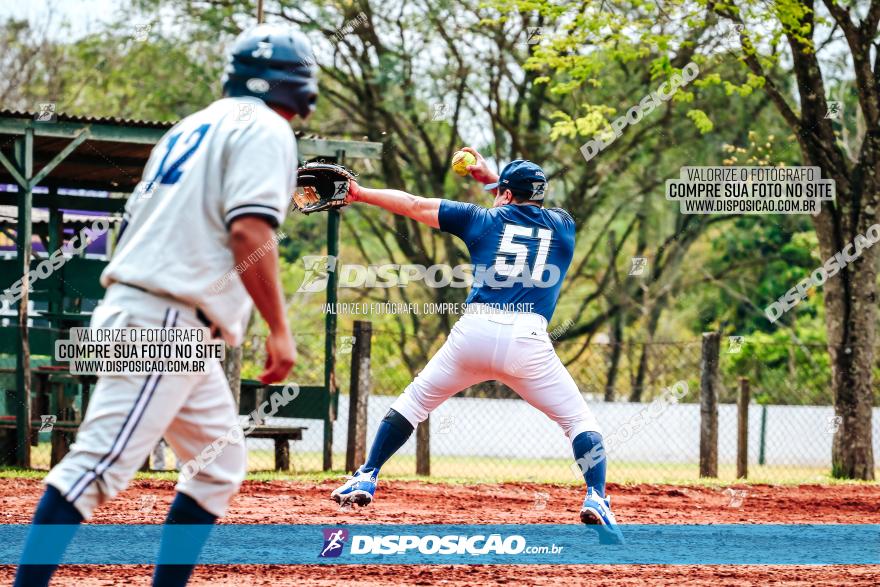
(498, 470)
(474, 470)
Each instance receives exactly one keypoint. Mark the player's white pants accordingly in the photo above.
(128, 415)
(512, 348)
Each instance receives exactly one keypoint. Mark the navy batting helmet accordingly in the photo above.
(274, 64)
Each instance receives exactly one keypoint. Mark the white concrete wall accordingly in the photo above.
(510, 428)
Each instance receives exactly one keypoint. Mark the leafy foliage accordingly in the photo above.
(510, 97)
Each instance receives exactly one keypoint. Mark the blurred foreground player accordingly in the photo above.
(215, 188)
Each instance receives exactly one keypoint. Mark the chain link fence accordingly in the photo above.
(488, 433)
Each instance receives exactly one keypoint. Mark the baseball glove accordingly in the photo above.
(321, 186)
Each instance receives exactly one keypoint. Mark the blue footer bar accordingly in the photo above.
(730, 544)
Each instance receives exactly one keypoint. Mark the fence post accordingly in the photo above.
(331, 392)
(232, 368)
(358, 395)
(423, 448)
(761, 454)
(709, 404)
(24, 157)
(742, 430)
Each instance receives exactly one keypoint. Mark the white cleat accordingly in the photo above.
(596, 511)
(357, 490)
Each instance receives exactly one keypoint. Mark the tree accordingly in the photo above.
(767, 41)
(110, 73)
(851, 298)
(384, 72)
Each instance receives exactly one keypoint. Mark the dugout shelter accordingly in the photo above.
(62, 173)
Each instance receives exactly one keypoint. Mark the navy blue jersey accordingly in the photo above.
(520, 254)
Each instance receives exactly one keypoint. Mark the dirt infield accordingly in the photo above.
(421, 503)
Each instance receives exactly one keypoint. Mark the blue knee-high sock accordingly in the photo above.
(393, 432)
(589, 454)
(53, 510)
(184, 511)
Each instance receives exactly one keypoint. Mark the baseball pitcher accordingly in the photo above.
(214, 190)
(520, 252)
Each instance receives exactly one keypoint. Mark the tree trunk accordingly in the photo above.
(850, 296)
(616, 347)
(423, 448)
(638, 388)
(232, 369)
(850, 319)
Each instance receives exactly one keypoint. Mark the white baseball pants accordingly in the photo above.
(513, 348)
(128, 415)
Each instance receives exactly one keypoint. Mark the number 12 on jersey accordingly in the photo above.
(169, 173)
(514, 267)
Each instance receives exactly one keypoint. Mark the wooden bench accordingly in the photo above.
(51, 380)
(63, 434)
(282, 435)
(311, 403)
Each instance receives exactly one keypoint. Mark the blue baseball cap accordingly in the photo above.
(524, 176)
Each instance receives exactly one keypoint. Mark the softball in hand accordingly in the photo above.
(461, 160)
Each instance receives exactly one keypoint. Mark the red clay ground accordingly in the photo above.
(412, 502)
